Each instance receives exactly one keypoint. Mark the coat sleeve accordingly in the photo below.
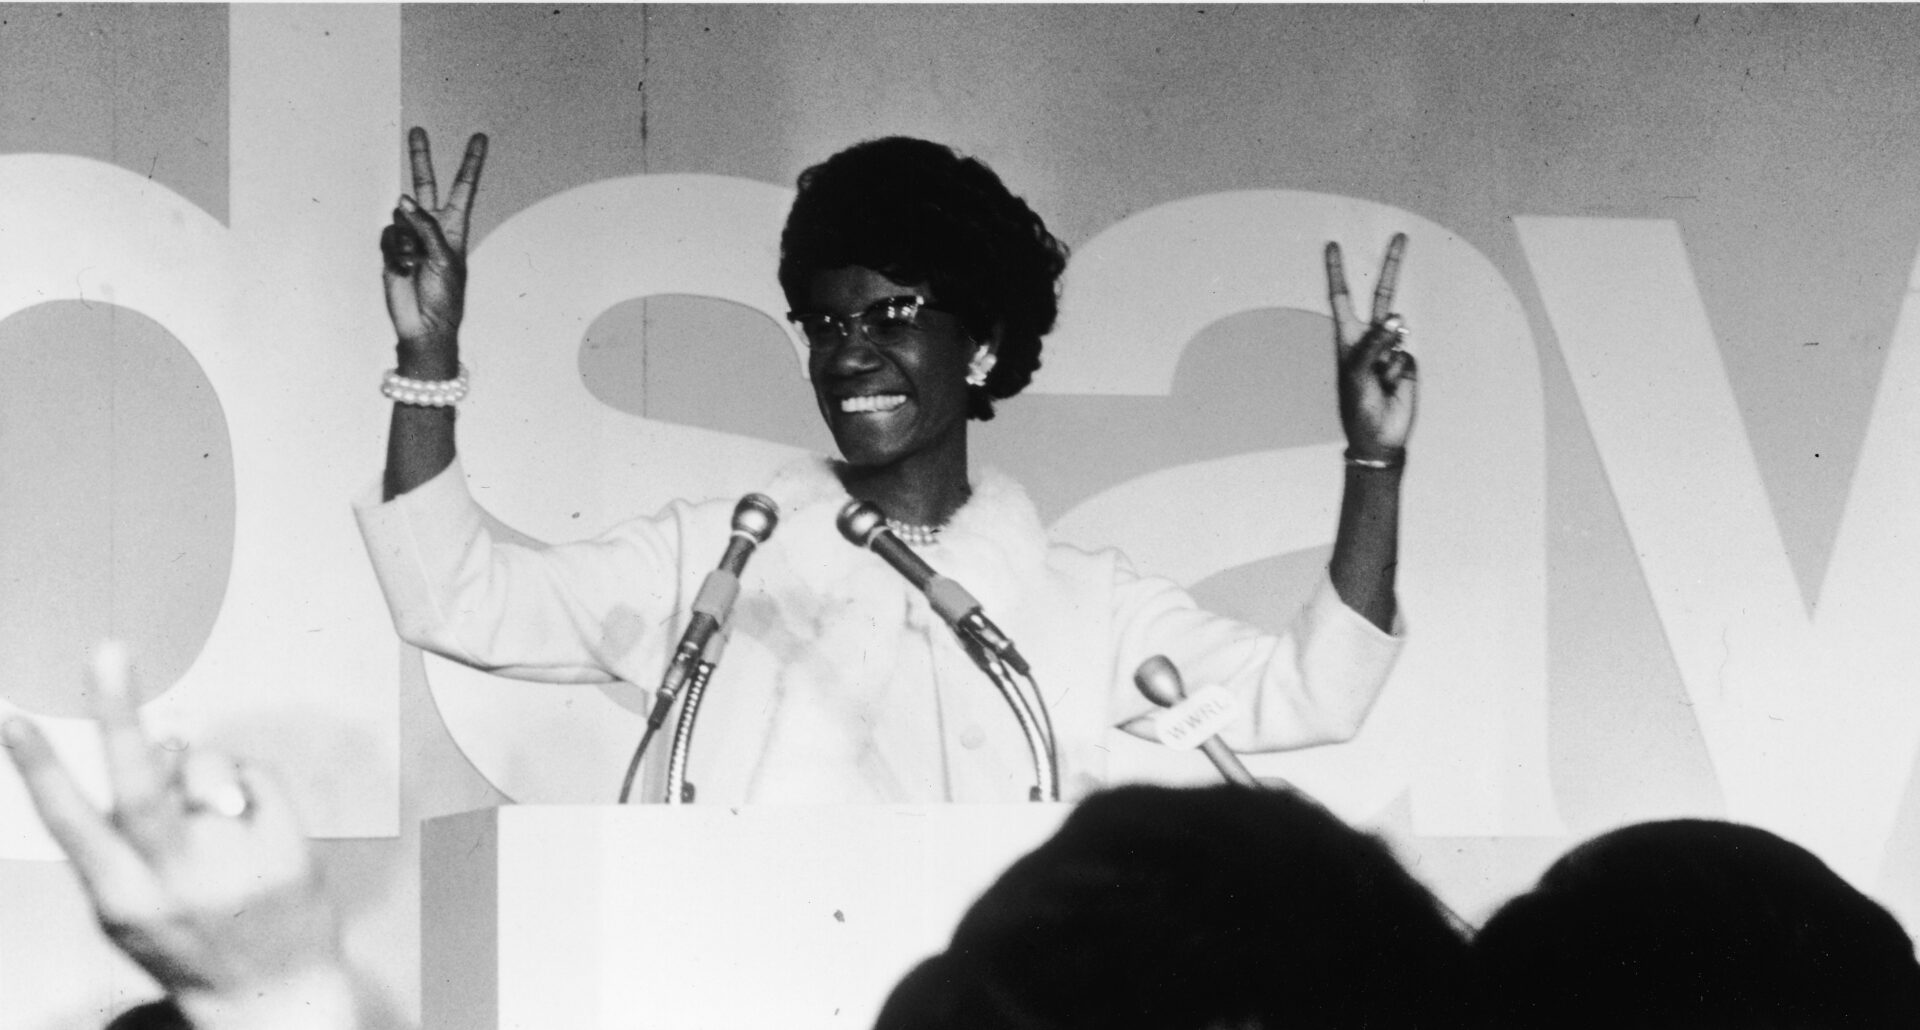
(566, 613)
(1312, 685)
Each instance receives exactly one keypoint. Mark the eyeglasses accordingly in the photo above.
(888, 322)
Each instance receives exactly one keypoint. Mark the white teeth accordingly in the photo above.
(876, 402)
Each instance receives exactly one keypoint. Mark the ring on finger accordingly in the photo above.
(212, 785)
(228, 800)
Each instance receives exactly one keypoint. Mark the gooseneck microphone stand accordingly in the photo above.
(1023, 696)
(679, 791)
(864, 525)
(693, 661)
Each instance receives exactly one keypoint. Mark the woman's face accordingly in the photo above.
(900, 396)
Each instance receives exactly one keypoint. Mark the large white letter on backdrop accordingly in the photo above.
(550, 271)
(1811, 723)
(282, 311)
(1463, 724)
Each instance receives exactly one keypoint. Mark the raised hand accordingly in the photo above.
(426, 258)
(1377, 376)
(200, 872)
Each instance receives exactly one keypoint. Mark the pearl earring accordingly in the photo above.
(983, 362)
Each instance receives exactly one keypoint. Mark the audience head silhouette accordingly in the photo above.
(1216, 909)
(1697, 923)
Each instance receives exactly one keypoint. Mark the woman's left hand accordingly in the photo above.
(1377, 377)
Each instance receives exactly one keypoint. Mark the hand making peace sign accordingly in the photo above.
(1377, 376)
(199, 871)
(426, 251)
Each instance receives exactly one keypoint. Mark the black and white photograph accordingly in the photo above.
(939, 515)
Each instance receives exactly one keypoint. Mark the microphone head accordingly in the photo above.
(1160, 681)
(860, 522)
(756, 515)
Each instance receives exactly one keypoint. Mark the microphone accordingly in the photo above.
(1188, 717)
(863, 525)
(754, 519)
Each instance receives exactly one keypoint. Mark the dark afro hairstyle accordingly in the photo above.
(1173, 909)
(916, 212)
(1693, 923)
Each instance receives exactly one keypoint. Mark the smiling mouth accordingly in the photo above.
(872, 403)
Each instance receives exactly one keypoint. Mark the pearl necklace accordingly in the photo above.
(914, 533)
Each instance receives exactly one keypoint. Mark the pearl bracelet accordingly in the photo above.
(425, 393)
(1398, 460)
(914, 533)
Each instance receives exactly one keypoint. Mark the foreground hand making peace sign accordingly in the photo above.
(199, 872)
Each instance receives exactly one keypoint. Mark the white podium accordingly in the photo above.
(695, 917)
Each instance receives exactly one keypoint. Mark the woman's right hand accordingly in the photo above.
(425, 251)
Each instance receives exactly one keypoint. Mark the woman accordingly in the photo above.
(924, 288)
